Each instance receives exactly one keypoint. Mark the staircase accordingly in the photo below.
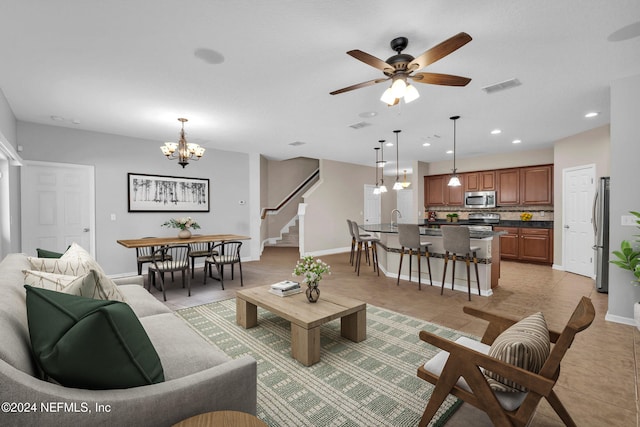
(288, 238)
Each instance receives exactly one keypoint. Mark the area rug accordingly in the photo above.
(371, 383)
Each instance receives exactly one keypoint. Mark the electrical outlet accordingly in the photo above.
(113, 217)
(541, 213)
(628, 220)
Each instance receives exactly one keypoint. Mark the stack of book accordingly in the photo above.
(285, 288)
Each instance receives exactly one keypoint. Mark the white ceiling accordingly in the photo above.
(255, 76)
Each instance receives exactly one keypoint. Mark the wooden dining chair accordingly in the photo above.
(225, 253)
(169, 259)
(461, 369)
(198, 250)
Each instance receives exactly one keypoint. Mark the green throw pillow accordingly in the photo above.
(91, 344)
(44, 253)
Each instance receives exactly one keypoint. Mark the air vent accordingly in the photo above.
(296, 143)
(507, 84)
(360, 125)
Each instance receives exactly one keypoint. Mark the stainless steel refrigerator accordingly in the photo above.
(601, 232)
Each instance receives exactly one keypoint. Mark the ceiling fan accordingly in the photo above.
(402, 66)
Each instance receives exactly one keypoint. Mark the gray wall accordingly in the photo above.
(113, 157)
(625, 197)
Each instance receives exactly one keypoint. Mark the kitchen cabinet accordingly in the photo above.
(526, 186)
(508, 187)
(536, 185)
(480, 181)
(526, 244)
(438, 193)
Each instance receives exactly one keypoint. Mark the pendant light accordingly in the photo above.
(397, 185)
(376, 190)
(383, 188)
(454, 181)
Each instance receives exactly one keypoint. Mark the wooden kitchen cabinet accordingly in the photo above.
(526, 186)
(526, 244)
(508, 187)
(438, 193)
(480, 181)
(509, 243)
(535, 245)
(536, 185)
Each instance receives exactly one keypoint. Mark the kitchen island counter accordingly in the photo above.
(488, 258)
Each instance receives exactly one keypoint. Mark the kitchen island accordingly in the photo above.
(488, 258)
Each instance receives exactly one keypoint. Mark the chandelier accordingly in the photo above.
(181, 150)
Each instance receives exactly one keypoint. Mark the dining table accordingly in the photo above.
(195, 238)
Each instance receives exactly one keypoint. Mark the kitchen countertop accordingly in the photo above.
(502, 223)
(388, 228)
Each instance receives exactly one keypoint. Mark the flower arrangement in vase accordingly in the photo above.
(312, 270)
(184, 224)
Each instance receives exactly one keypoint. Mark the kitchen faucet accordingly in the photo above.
(394, 224)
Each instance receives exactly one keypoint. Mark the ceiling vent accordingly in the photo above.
(296, 143)
(360, 125)
(507, 84)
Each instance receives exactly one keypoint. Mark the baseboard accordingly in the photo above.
(557, 267)
(619, 319)
(329, 251)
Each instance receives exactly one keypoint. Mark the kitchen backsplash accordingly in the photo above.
(540, 213)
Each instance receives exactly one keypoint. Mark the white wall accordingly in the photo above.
(114, 156)
(9, 183)
(625, 197)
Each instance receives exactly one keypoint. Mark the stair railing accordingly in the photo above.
(298, 189)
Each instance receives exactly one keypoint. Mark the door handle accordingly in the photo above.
(85, 230)
(566, 226)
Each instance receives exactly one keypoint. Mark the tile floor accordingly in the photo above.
(599, 379)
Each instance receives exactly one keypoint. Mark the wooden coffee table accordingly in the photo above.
(305, 317)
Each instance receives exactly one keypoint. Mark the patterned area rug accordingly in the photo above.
(370, 383)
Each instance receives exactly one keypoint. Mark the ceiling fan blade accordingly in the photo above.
(371, 60)
(440, 79)
(439, 51)
(358, 86)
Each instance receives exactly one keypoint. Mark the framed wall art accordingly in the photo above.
(157, 193)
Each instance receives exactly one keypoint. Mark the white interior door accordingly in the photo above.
(372, 205)
(579, 188)
(58, 206)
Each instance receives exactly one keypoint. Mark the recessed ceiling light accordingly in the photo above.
(426, 144)
(591, 114)
(516, 141)
(389, 144)
(496, 132)
(449, 151)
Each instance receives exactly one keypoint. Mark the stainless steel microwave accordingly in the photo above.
(480, 199)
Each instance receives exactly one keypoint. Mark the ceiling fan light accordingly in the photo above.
(411, 94)
(454, 181)
(387, 97)
(398, 88)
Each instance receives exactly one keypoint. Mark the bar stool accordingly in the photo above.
(456, 241)
(409, 237)
(364, 240)
(353, 242)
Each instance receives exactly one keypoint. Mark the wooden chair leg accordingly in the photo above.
(164, 294)
(475, 263)
(240, 268)
(359, 258)
(400, 266)
(562, 412)
(410, 266)
(374, 252)
(444, 271)
(366, 253)
(467, 262)
(453, 270)
(429, 266)
(419, 272)
(220, 275)
(353, 250)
